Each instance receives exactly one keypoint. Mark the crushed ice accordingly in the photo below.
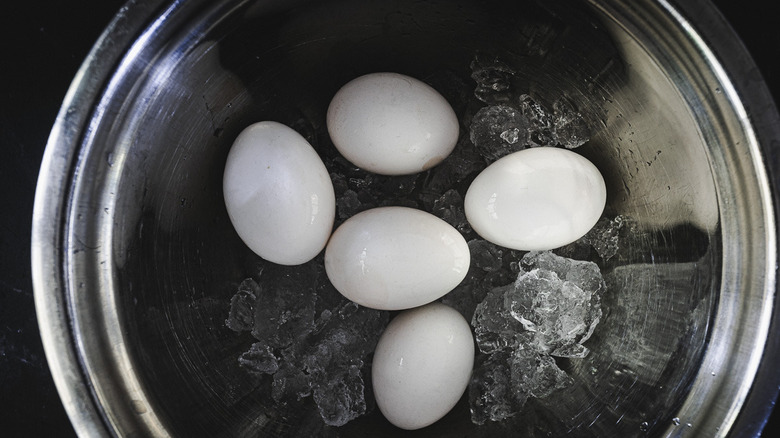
(322, 354)
(549, 311)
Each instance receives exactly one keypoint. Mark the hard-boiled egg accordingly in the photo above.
(393, 258)
(536, 199)
(391, 124)
(422, 365)
(278, 194)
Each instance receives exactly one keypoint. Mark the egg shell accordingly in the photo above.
(422, 365)
(393, 258)
(278, 194)
(392, 124)
(536, 199)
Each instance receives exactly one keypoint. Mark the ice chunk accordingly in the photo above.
(503, 381)
(341, 399)
(241, 316)
(550, 310)
(540, 123)
(485, 255)
(494, 327)
(348, 204)
(449, 207)
(259, 359)
(563, 126)
(550, 313)
(499, 130)
(536, 375)
(571, 129)
(284, 309)
(604, 236)
(494, 79)
(290, 384)
(491, 394)
(608, 238)
(310, 339)
(334, 364)
(557, 315)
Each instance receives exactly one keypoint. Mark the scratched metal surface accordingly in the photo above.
(145, 260)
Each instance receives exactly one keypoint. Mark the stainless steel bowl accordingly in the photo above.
(135, 260)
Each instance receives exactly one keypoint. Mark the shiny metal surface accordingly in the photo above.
(135, 260)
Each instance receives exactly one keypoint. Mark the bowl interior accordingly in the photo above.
(153, 262)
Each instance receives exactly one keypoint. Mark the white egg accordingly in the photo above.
(422, 365)
(393, 258)
(278, 194)
(536, 199)
(392, 124)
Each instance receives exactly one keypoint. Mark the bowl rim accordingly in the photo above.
(703, 24)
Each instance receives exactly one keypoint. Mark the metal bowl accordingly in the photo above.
(135, 260)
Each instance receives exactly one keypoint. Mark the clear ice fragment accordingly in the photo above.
(491, 393)
(541, 130)
(536, 375)
(550, 310)
(541, 310)
(571, 129)
(311, 340)
(485, 255)
(259, 359)
(348, 204)
(494, 79)
(499, 130)
(241, 316)
(284, 310)
(604, 236)
(449, 207)
(340, 400)
(290, 384)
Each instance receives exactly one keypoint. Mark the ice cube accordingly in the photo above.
(558, 314)
(449, 207)
(340, 398)
(541, 310)
(259, 359)
(550, 310)
(503, 381)
(604, 237)
(290, 384)
(348, 204)
(310, 339)
(541, 130)
(499, 130)
(485, 255)
(536, 375)
(241, 316)
(491, 394)
(493, 77)
(284, 309)
(570, 128)
(334, 364)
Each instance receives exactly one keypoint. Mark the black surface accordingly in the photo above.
(43, 44)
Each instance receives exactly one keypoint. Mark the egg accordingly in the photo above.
(391, 124)
(422, 365)
(278, 194)
(536, 199)
(393, 258)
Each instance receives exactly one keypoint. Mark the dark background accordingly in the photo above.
(43, 43)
